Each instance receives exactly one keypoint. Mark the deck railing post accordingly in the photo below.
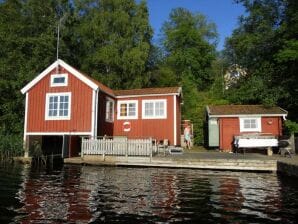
(150, 148)
(126, 148)
(103, 149)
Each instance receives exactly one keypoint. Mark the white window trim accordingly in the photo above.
(257, 129)
(65, 75)
(108, 99)
(154, 116)
(48, 95)
(127, 117)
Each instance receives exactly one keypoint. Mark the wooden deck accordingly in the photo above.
(216, 161)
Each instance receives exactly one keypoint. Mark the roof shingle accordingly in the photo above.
(148, 91)
(244, 110)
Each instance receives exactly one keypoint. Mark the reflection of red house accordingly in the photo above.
(227, 121)
(63, 103)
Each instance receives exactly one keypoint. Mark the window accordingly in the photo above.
(152, 109)
(127, 109)
(109, 110)
(250, 124)
(59, 80)
(58, 106)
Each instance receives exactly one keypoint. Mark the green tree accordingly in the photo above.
(265, 43)
(188, 44)
(114, 36)
(28, 34)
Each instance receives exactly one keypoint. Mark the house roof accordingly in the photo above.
(94, 84)
(231, 110)
(149, 91)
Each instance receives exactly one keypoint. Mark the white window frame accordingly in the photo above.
(109, 100)
(48, 95)
(65, 75)
(154, 116)
(119, 117)
(258, 123)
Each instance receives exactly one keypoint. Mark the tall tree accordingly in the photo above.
(189, 44)
(28, 31)
(265, 44)
(114, 36)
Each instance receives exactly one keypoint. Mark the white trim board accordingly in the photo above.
(154, 116)
(72, 70)
(249, 115)
(59, 133)
(175, 120)
(146, 95)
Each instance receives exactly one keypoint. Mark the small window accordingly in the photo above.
(154, 109)
(58, 106)
(59, 80)
(109, 110)
(127, 109)
(250, 124)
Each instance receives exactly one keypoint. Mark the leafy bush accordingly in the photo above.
(10, 145)
(291, 127)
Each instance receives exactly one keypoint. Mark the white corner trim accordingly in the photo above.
(127, 117)
(72, 70)
(93, 113)
(175, 120)
(154, 115)
(96, 113)
(25, 117)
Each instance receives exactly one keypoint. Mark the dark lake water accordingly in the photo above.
(87, 194)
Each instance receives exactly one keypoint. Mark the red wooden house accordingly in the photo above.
(227, 121)
(62, 105)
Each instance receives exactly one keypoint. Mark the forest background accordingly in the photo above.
(111, 40)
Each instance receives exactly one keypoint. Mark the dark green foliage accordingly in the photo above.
(188, 45)
(10, 145)
(265, 43)
(114, 38)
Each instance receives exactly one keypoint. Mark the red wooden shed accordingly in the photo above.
(227, 121)
(62, 105)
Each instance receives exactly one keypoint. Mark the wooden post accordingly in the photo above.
(126, 149)
(151, 149)
(269, 151)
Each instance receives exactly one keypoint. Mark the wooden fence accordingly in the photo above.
(117, 147)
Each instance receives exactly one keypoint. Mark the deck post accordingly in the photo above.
(103, 146)
(151, 149)
(126, 150)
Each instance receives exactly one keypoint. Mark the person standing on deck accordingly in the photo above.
(187, 136)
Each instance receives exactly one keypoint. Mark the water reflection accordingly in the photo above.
(86, 194)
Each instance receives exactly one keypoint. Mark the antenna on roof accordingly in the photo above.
(58, 40)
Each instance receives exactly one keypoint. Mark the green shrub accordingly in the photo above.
(11, 145)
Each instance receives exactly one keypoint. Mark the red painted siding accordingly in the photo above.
(104, 127)
(229, 127)
(144, 128)
(81, 101)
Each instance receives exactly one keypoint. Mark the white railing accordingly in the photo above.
(117, 147)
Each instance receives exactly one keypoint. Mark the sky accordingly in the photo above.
(224, 13)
